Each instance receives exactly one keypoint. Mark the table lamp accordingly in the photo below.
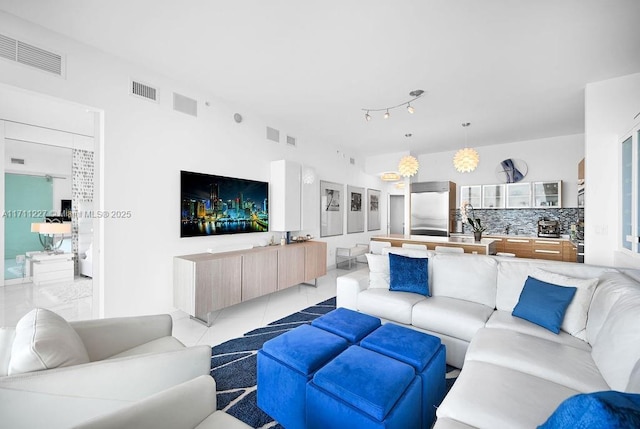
(47, 232)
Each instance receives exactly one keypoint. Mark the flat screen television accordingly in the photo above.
(217, 205)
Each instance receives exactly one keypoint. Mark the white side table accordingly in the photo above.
(46, 267)
(348, 254)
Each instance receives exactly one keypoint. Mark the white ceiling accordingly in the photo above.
(515, 69)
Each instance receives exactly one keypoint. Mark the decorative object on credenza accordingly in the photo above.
(466, 160)
(355, 213)
(415, 94)
(331, 213)
(408, 166)
(51, 234)
(216, 205)
(373, 209)
(511, 170)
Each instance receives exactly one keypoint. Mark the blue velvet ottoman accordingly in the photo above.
(285, 364)
(424, 352)
(350, 325)
(363, 389)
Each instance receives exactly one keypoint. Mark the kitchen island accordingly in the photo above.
(487, 246)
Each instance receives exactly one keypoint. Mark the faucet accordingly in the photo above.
(506, 229)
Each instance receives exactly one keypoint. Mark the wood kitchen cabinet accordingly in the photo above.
(206, 282)
(547, 249)
(569, 252)
(499, 242)
(521, 247)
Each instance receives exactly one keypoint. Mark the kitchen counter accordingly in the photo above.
(487, 246)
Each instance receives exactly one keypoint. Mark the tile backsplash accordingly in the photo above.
(520, 221)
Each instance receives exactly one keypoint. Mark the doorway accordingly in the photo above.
(50, 174)
(396, 214)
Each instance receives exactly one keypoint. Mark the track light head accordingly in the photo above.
(410, 108)
(367, 116)
(386, 114)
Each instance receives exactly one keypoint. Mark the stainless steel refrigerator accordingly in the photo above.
(433, 208)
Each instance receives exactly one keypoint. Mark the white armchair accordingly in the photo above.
(97, 366)
(190, 405)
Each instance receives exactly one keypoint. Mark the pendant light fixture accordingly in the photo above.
(466, 160)
(408, 166)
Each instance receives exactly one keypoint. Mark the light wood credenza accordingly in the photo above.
(206, 282)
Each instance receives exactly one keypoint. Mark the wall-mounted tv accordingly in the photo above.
(216, 205)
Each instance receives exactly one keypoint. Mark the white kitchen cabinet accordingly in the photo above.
(471, 195)
(518, 195)
(547, 194)
(493, 196)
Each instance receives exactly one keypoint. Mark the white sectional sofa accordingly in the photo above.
(514, 373)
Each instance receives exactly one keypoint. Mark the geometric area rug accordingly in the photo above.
(234, 362)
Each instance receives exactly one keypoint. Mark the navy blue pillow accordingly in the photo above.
(408, 274)
(544, 303)
(599, 410)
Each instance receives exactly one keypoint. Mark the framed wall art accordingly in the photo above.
(355, 213)
(373, 209)
(331, 208)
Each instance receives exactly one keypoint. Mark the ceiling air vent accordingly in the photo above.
(145, 91)
(30, 55)
(185, 104)
(291, 141)
(273, 134)
(17, 161)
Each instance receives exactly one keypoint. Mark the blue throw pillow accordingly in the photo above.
(599, 410)
(544, 303)
(408, 274)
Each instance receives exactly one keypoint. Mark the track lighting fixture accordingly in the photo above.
(415, 94)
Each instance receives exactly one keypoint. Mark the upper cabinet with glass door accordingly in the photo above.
(493, 196)
(471, 195)
(547, 194)
(518, 195)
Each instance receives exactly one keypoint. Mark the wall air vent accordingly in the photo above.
(185, 104)
(291, 141)
(17, 161)
(30, 55)
(273, 135)
(143, 90)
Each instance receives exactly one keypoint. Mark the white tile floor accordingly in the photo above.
(231, 322)
(234, 321)
(73, 301)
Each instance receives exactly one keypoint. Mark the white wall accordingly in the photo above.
(549, 159)
(42, 160)
(147, 144)
(610, 107)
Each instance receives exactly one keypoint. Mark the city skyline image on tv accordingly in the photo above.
(217, 205)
